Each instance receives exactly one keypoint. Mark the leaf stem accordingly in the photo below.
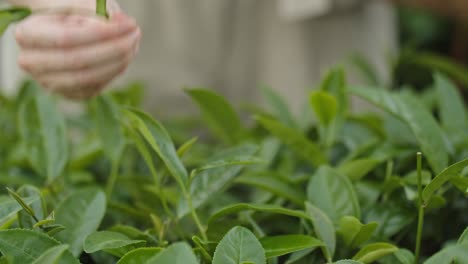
(420, 210)
(112, 178)
(101, 8)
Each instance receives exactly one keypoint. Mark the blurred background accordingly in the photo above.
(236, 47)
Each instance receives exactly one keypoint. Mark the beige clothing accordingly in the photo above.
(235, 46)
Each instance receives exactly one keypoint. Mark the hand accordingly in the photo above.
(74, 54)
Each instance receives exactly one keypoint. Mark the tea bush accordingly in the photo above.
(111, 184)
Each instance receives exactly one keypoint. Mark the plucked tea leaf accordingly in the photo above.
(11, 15)
(276, 246)
(417, 117)
(81, 214)
(294, 139)
(177, 253)
(324, 230)
(239, 246)
(107, 240)
(373, 252)
(53, 255)
(101, 8)
(219, 114)
(158, 138)
(22, 246)
(139, 256)
(443, 177)
(333, 193)
(107, 121)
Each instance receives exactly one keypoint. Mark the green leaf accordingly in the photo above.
(451, 106)
(11, 15)
(158, 138)
(101, 8)
(347, 261)
(457, 253)
(214, 181)
(178, 253)
(42, 128)
(281, 245)
(236, 208)
(239, 246)
(81, 214)
(22, 246)
(448, 173)
(139, 256)
(333, 193)
(279, 107)
(354, 233)
(53, 255)
(186, 147)
(357, 169)
(324, 230)
(39, 206)
(107, 121)
(464, 237)
(219, 114)
(274, 185)
(335, 84)
(247, 160)
(294, 139)
(365, 68)
(325, 107)
(10, 207)
(421, 122)
(373, 252)
(107, 240)
(402, 256)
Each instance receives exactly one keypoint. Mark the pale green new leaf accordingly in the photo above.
(375, 251)
(81, 214)
(442, 178)
(9, 207)
(353, 232)
(357, 169)
(239, 246)
(276, 246)
(108, 240)
(325, 107)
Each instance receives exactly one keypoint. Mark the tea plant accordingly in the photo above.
(111, 184)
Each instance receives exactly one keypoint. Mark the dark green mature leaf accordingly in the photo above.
(279, 107)
(333, 193)
(273, 185)
(107, 240)
(325, 106)
(140, 256)
(417, 117)
(354, 233)
(9, 207)
(324, 230)
(42, 129)
(347, 261)
(442, 178)
(177, 253)
(373, 252)
(357, 169)
(53, 255)
(81, 213)
(390, 217)
(239, 246)
(281, 245)
(158, 138)
(451, 106)
(235, 208)
(11, 15)
(219, 114)
(214, 181)
(457, 253)
(22, 246)
(107, 121)
(305, 148)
